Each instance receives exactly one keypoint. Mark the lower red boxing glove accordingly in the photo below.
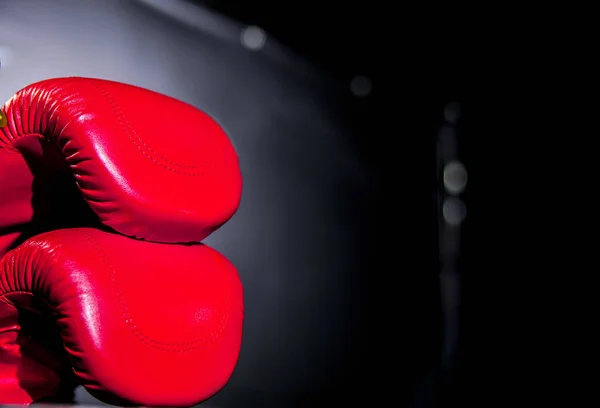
(141, 323)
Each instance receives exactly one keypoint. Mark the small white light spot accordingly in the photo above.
(360, 86)
(452, 112)
(253, 38)
(454, 211)
(455, 177)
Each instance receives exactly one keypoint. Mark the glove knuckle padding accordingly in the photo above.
(141, 312)
(145, 337)
(125, 146)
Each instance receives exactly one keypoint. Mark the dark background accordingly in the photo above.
(342, 38)
(337, 239)
(416, 63)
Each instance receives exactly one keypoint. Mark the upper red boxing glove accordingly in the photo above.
(105, 168)
(149, 166)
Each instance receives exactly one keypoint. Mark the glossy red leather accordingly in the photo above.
(106, 190)
(150, 166)
(152, 323)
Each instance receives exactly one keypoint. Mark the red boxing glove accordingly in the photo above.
(149, 166)
(142, 322)
(148, 323)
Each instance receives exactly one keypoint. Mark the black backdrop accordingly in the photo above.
(336, 238)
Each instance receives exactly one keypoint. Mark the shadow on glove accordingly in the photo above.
(102, 274)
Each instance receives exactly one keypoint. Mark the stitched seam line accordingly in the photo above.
(146, 150)
(174, 347)
(181, 347)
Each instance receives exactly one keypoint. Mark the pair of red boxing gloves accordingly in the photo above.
(106, 192)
